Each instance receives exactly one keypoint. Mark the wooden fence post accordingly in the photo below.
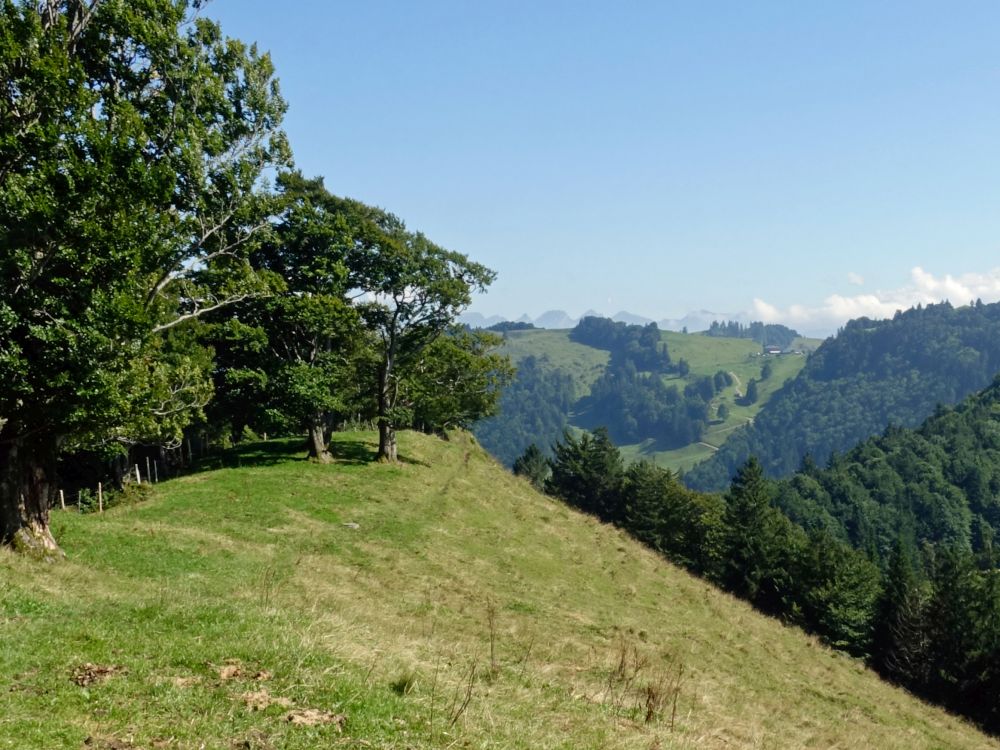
(100, 498)
(62, 500)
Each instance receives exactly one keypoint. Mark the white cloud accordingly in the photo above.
(855, 278)
(924, 288)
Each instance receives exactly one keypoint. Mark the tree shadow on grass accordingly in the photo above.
(269, 453)
(353, 451)
(350, 452)
(362, 452)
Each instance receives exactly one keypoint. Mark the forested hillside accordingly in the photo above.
(924, 504)
(937, 484)
(872, 374)
(668, 397)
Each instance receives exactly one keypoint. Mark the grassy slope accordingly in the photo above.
(706, 355)
(583, 363)
(252, 568)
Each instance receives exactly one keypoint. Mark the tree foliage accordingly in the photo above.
(417, 289)
(146, 263)
(534, 409)
(533, 465)
(765, 334)
(131, 156)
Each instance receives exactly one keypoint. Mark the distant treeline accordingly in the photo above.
(873, 373)
(765, 334)
(641, 345)
(511, 325)
(631, 399)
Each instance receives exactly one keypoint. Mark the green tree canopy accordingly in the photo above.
(417, 289)
(533, 465)
(131, 155)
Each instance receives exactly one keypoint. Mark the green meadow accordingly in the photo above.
(269, 602)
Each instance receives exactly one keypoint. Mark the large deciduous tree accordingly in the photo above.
(133, 137)
(313, 330)
(417, 291)
(457, 380)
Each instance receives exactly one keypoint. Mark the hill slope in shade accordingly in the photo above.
(440, 603)
(932, 484)
(871, 375)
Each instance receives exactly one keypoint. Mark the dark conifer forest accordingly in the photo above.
(873, 373)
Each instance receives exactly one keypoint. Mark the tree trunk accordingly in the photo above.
(26, 471)
(387, 442)
(317, 441)
(386, 429)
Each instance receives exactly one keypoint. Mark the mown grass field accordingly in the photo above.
(706, 355)
(441, 603)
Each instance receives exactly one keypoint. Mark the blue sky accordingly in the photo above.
(804, 162)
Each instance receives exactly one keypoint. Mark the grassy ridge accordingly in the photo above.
(238, 596)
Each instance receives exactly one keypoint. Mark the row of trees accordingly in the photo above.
(765, 334)
(927, 617)
(357, 324)
(145, 261)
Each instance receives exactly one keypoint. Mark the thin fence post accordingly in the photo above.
(138, 479)
(149, 474)
(100, 498)
(62, 500)
(156, 472)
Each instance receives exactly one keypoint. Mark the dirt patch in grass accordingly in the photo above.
(255, 740)
(259, 700)
(233, 669)
(310, 717)
(90, 674)
(108, 743)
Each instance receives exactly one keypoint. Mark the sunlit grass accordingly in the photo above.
(366, 593)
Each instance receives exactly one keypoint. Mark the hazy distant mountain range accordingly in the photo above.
(698, 320)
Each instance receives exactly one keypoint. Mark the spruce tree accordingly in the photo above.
(899, 647)
(748, 528)
(588, 473)
(533, 465)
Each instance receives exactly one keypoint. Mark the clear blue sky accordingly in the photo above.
(662, 156)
